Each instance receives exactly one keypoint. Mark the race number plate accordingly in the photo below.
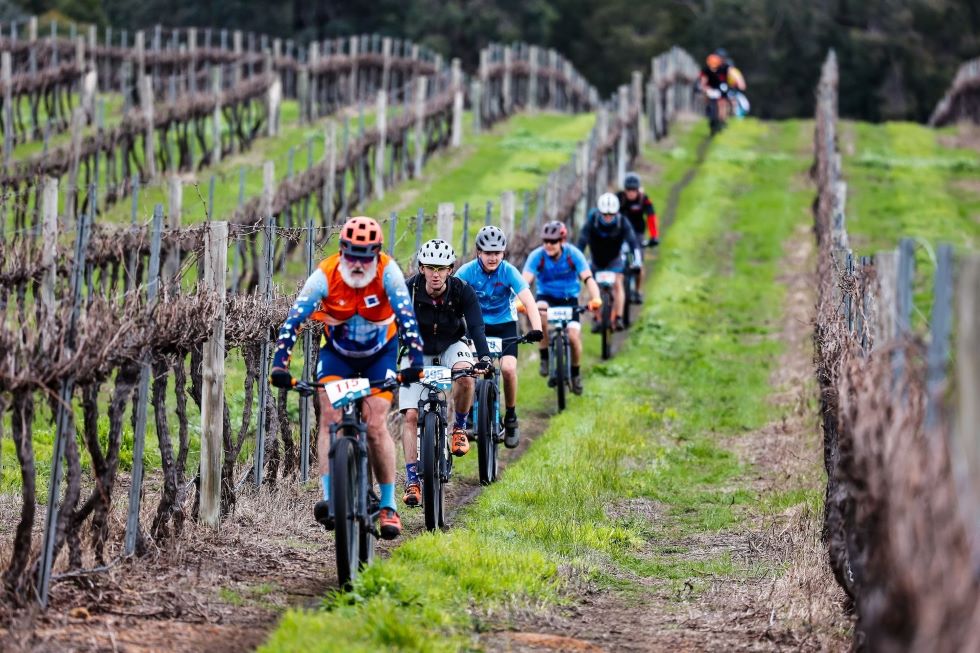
(438, 376)
(605, 277)
(496, 346)
(340, 393)
(560, 314)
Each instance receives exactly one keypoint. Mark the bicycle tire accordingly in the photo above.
(343, 488)
(559, 358)
(630, 284)
(486, 439)
(606, 323)
(431, 482)
(366, 541)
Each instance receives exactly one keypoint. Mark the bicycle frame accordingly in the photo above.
(352, 426)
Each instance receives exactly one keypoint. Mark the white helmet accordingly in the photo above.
(491, 239)
(436, 252)
(608, 203)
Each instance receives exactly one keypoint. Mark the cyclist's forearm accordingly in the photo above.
(593, 288)
(534, 317)
(313, 292)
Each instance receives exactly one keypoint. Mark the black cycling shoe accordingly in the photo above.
(596, 326)
(637, 297)
(512, 432)
(577, 385)
(543, 367)
(322, 513)
(618, 324)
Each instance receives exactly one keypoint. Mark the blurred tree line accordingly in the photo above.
(897, 56)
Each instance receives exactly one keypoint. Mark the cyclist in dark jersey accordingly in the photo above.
(637, 207)
(714, 82)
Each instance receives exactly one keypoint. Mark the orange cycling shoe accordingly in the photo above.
(389, 524)
(461, 443)
(413, 495)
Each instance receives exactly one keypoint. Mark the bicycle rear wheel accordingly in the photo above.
(431, 482)
(486, 425)
(558, 355)
(631, 287)
(343, 488)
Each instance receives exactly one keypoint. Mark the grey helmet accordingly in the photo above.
(436, 252)
(632, 181)
(491, 239)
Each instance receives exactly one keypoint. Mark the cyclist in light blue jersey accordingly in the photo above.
(559, 269)
(498, 285)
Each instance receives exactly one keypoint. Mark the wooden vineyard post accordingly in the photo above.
(636, 97)
(507, 81)
(49, 237)
(381, 150)
(457, 78)
(582, 171)
(420, 94)
(445, 214)
(330, 179)
(621, 153)
(352, 90)
(392, 232)
(941, 325)
(216, 116)
(532, 80)
(71, 193)
(6, 78)
(213, 376)
(146, 104)
(273, 98)
(476, 94)
(171, 266)
(508, 201)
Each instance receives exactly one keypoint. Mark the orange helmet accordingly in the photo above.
(714, 61)
(361, 237)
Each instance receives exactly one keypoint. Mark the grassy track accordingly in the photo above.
(697, 369)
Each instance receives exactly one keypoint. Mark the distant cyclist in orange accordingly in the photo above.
(361, 297)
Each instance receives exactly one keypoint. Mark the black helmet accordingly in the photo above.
(632, 181)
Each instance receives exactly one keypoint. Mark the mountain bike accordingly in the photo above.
(488, 425)
(560, 349)
(715, 98)
(435, 457)
(631, 285)
(353, 501)
(606, 279)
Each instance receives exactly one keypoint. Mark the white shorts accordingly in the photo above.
(458, 352)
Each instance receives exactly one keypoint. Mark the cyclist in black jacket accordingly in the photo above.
(447, 310)
(605, 233)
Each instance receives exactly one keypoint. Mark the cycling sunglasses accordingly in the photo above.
(354, 258)
(438, 268)
(551, 241)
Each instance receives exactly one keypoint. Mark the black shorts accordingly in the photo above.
(504, 330)
(558, 301)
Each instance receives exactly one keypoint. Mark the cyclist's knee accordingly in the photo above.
(465, 383)
(508, 366)
(410, 418)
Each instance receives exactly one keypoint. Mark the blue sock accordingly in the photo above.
(461, 420)
(387, 495)
(325, 481)
(412, 472)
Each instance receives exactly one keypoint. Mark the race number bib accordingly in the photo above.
(605, 277)
(496, 345)
(438, 376)
(340, 393)
(560, 314)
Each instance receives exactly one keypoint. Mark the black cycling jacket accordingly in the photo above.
(606, 242)
(443, 322)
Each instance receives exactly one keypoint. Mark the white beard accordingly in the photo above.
(361, 281)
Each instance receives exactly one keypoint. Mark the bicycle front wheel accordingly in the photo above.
(558, 355)
(431, 482)
(347, 525)
(606, 324)
(487, 432)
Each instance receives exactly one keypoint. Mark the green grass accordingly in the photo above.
(516, 155)
(904, 182)
(697, 369)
